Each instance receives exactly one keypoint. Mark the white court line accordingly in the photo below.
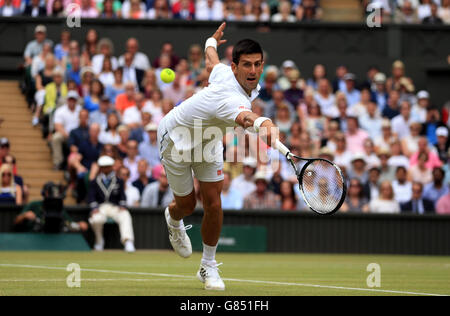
(232, 280)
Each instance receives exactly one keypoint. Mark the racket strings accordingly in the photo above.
(322, 186)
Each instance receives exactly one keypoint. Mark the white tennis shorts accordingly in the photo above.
(180, 173)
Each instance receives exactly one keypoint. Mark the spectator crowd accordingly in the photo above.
(390, 140)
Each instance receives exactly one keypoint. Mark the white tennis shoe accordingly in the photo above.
(209, 275)
(179, 240)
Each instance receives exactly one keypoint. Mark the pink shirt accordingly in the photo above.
(355, 142)
(433, 160)
(443, 205)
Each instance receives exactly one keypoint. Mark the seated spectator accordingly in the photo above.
(110, 9)
(235, 11)
(139, 59)
(406, 14)
(257, 11)
(57, 9)
(308, 11)
(107, 199)
(87, 76)
(117, 87)
(420, 108)
(106, 74)
(278, 101)
(183, 10)
(401, 185)
(154, 106)
(435, 190)
(339, 113)
(34, 9)
(417, 204)
(288, 196)
(209, 10)
(358, 168)
(42, 79)
(126, 99)
(397, 158)
(325, 97)
(360, 108)
(443, 204)
(100, 116)
(61, 50)
(385, 203)
(386, 137)
(444, 11)
(8, 9)
(80, 133)
(32, 216)
(34, 47)
(353, 95)
(122, 146)
(54, 96)
(167, 49)
(387, 171)
(379, 94)
(150, 150)
(371, 188)
(158, 193)
(284, 13)
(136, 10)
(132, 159)
(391, 109)
(111, 135)
(88, 9)
(92, 100)
(420, 173)
(355, 201)
(10, 160)
(143, 179)
(434, 17)
(132, 116)
(294, 93)
(261, 198)
(160, 10)
(355, 136)
(342, 156)
(10, 192)
(74, 72)
(131, 192)
(433, 159)
(65, 120)
(432, 123)
(443, 143)
(371, 121)
(244, 183)
(231, 198)
(410, 143)
(401, 123)
(369, 153)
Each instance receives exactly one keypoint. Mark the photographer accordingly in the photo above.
(47, 215)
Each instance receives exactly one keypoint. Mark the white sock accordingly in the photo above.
(209, 254)
(174, 222)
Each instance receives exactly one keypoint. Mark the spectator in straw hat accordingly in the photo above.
(261, 198)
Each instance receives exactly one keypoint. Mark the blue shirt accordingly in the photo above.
(433, 194)
(150, 153)
(89, 104)
(232, 201)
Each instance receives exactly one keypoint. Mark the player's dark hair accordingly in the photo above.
(246, 47)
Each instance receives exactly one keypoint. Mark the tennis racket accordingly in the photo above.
(321, 182)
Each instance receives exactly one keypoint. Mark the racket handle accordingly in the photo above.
(282, 148)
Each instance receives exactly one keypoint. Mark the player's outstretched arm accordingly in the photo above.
(262, 125)
(211, 56)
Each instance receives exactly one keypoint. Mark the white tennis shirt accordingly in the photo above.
(217, 105)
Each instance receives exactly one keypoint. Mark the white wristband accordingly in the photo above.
(211, 42)
(258, 122)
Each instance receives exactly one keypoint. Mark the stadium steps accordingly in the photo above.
(342, 10)
(32, 152)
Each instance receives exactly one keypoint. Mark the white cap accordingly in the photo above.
(72, 94)
(379, 78)
(442, 131)
(150, 127)
(288, 64)
(359, 156)
(105, 161)
(260, 175)
(250, 161)
(40, 28)
(422, 94)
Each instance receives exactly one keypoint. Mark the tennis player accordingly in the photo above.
(226, 102)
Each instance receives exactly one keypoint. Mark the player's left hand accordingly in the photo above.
(219, 34)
